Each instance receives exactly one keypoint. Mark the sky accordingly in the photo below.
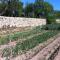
(55, 3)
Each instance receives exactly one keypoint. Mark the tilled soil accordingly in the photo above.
(39, 52)
(57, 57)
(44, 54)
(7, 31)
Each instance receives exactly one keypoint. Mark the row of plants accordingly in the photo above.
(19, 35)
(29, 44)
(51, 27)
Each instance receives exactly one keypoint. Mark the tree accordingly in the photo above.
(34, 9)
(49, 15)
(43, 8)
(39, 0)
(2, 7)
(29, 9)
(39, 8)
(48, 8)
(57, 14)
(13, 7)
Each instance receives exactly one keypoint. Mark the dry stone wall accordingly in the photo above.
(20, 21)
(58, 20)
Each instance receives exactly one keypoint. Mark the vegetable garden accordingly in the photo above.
(26, 40)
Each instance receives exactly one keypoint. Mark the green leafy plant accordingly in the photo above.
(51, 27)
(31, 43)
(6, 52)
(19, 35)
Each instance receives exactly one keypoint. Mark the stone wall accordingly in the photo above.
(20, 21)
(58, 20)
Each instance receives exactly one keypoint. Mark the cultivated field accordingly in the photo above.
(27, 43)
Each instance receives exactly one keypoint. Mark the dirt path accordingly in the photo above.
(42, 55)
(8, 45)
(57, 56)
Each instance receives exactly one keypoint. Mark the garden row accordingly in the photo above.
(19, 35)
(28, 44)
(23, 35)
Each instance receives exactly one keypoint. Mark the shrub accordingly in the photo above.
(51, 19)
(51, 27)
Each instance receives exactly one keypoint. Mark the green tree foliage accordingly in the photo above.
(12, 8)
(29, 10)
(49, 15)
(38, 9)
(51, 19)
(34, 9)
(48, 7)
(2, 7)
(57, 14)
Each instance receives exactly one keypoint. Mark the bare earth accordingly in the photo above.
(58, 56)
(42, 55)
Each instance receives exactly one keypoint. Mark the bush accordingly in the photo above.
(51, 27)
(51, 19)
